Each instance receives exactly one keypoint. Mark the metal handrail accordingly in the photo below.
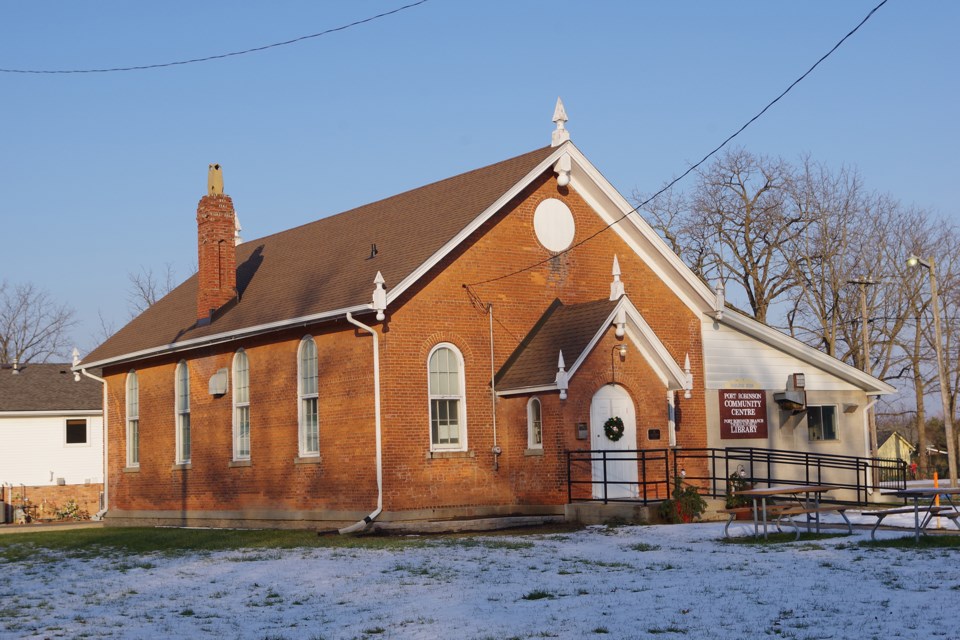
(658, 468)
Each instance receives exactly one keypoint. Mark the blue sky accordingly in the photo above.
(100, 174)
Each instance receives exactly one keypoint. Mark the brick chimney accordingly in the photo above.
(217, 253)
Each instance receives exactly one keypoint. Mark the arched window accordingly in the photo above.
(133, 420)
(307, 396)
(241, 406)
(534, 424)
(448, 416)
(183, 413)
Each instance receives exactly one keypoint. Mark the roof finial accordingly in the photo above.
(562, 377)
(616, 287)
(560, 134)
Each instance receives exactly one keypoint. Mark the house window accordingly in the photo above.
(241, 406)
(822, 422)
(183, 413)
(76, 432)
(133, 420)
(307, 395)
(446, 387)
(534, 424)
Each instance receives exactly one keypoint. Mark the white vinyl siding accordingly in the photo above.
(447, 407)
(241, 406)
(308, 395)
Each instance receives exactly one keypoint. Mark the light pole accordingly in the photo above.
(865, 339)
(930, 265)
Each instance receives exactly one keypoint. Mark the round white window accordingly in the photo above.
(553, 224)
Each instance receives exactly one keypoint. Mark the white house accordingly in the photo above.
(51, 439)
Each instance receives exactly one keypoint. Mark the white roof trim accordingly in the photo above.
(475, 224)
(815, 357)
(48, 413)
(522, 390)
(218, 338)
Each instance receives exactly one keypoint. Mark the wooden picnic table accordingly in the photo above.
(923, 502)
(803, 499)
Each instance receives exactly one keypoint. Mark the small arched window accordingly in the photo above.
(133, 420)
(534, 424)
(183, 413)
(448, 423)
(241, 406)
(307, 394)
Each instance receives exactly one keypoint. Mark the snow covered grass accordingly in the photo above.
(680, 581)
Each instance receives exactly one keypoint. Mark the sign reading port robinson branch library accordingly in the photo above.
(743, 413)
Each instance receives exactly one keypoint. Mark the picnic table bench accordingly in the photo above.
(929, 511)
(777, 512)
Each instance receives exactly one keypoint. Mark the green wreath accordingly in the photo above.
(613, 428)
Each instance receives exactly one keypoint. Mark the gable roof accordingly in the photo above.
(323, 269)
(48, 388)
(575, 330)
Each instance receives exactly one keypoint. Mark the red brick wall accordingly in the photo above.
(217, 254)
(440, 310)
(46, 499)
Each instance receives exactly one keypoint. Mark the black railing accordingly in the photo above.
(647, 476)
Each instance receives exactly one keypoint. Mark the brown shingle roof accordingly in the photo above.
(324, 266)
(562, 328)
(48, 387)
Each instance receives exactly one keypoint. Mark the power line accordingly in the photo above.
(694, 166)
(219, 56)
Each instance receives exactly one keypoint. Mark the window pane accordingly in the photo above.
(133, 395)
(308, 367)
(184, 424)
(76, 431)
(311, 429)
(241, 378)
(536, 424)
(829, 422)
(243, 432)
(133, 442)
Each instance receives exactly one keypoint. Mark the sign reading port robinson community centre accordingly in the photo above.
(743, 413)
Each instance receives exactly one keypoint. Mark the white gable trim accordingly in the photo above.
(641, 335)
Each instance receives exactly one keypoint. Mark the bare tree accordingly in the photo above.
(146, 287)
(33, 327)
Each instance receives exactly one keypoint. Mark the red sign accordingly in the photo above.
(743, 413)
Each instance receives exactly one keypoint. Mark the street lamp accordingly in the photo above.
(930, 265)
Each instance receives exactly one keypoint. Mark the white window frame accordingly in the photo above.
(182, 412)
(836, 423)
(133, 419)
(86, 432)
(461, 399)
(534, 423)
(241, 405)
(308, 434)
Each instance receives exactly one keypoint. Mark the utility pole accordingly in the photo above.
(863, 283)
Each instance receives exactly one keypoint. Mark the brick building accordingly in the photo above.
(428, 356)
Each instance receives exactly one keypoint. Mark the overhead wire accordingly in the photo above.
(692, 167)
(221, 55)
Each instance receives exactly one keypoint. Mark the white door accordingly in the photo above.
(621, 476)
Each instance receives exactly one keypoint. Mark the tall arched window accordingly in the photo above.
(534, 424)
(307, 394)
(183, 413)
(448, 424)
(133, 420)
(241, 406)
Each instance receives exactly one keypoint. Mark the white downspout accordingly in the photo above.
(362, 524)
(866, 440)
(106, 446)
